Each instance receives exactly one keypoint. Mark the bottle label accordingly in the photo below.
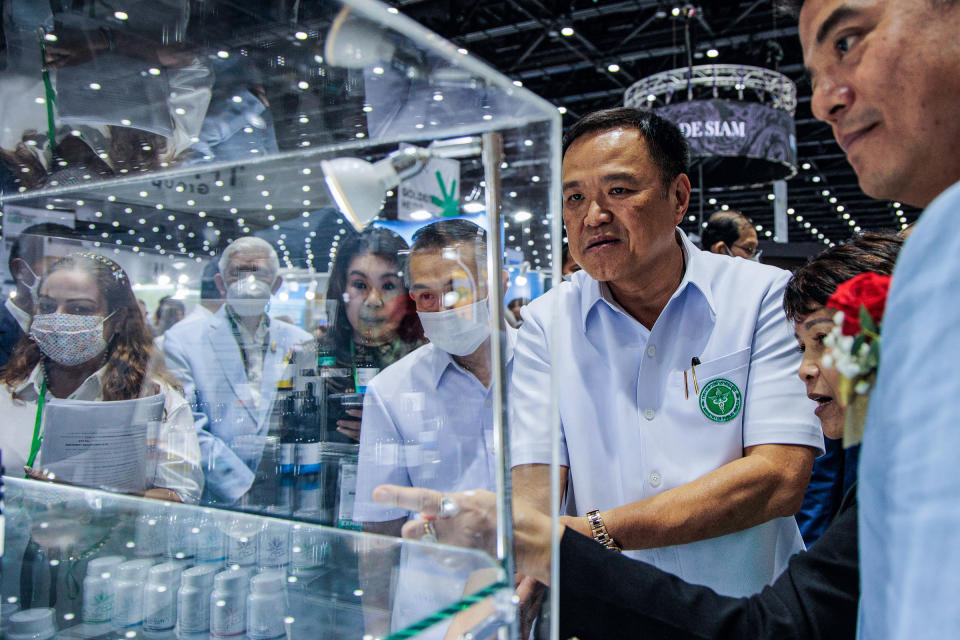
(194, 612)
(97, 602)
(287, 457)
(309, 496)
(274, 547)
(308, 457)
(265, 618)
(162, 617)
(227, 615)
(348, 493)
(335, 372)
(364, 376)
(242, 551)
(326, 361)
(210, 547)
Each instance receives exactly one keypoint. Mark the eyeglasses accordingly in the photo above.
(752, 252)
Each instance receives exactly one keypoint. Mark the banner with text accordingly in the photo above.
(739, 143)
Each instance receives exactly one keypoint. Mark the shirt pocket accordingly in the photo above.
(717, 367)
(706, 426)
(723, 384)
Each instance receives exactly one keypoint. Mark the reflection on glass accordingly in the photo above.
(217, 154)
(80, 562)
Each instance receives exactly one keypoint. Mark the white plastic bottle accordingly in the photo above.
(160, 597)
(228, 603)
(131, 578)
(98, 589)
(193, 600)
(266, 606)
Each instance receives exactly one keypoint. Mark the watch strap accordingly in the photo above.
(599, 531)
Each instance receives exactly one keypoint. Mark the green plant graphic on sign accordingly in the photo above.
(449, 205)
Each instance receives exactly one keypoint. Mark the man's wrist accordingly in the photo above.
(598, 530)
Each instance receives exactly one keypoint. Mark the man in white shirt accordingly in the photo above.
(687, 437)
(885, 78)
(428, 418)
(229, 365)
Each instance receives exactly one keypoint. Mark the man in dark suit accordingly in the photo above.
(30, 253)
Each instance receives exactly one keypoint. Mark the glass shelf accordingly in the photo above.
(55, 532)
(156, 134)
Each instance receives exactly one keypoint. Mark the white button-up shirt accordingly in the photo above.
(631, 425)
(173, 451)
(427, 422)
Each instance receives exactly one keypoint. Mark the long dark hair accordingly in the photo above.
(387, 246)
(128, 351)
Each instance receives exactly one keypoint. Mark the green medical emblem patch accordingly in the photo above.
(720, 400)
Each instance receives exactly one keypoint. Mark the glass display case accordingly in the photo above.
(81, 563)
(259, 260)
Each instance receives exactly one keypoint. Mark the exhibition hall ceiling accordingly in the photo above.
(583, 54)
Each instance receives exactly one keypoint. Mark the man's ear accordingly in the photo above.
(718, 247)
(680, 190)
(18, 270)
(221, 286)
(276, 284)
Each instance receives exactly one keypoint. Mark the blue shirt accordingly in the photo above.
(630, 429)
(910, 458)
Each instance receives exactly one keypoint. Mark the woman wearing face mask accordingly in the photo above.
(375, 323)
(88, 341)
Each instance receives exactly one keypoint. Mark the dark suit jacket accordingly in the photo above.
(10, 333)
(606, 595)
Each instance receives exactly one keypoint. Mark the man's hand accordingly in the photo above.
(351, 428)
(475, 523)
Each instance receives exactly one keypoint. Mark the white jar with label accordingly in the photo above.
(228, 603)
(98, 589)
(193, 600)
(160, 597)
(266, 606)
(131, 578)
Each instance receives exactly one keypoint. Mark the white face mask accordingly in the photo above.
(459, 331)
(67, 338)
(754, 258)
(32, 287)
(248, 296)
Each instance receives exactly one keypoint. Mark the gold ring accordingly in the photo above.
(430, 532)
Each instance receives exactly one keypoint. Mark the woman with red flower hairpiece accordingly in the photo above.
(815, 598)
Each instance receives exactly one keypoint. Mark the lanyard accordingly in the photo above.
(51, 97)
(243, 352)
(37, 436)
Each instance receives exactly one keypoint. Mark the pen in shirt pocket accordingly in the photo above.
(694, 362)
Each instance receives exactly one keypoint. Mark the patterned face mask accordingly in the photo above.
(67, 338)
